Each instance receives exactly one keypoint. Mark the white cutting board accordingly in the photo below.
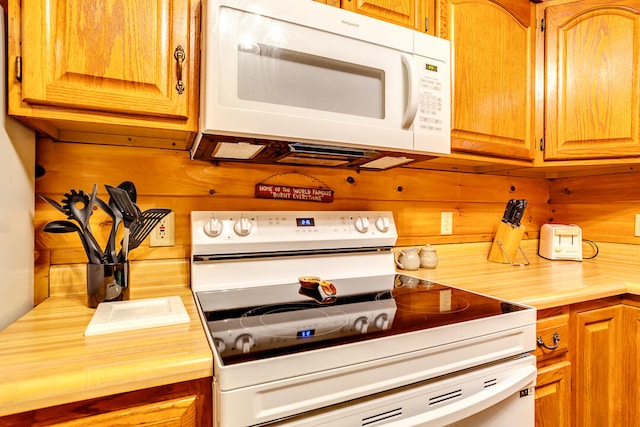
(119, 316)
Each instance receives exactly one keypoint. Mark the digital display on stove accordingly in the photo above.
(305, 222)
(308, 333)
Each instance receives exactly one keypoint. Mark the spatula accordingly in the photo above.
(130, 214)
(148, 221)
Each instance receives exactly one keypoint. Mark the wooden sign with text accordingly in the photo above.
(267, 191)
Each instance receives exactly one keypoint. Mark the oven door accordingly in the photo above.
(304, 73)
(501, 394)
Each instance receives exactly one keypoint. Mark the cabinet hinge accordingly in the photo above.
(426, 25)
(19, 68)
(543, 25)
(541, 144)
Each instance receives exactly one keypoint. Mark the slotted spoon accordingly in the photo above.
(130, 214)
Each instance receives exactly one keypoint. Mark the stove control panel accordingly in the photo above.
(256, 231)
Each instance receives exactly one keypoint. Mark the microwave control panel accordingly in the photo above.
(432, 107)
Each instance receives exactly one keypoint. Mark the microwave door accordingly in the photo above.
(280, 80)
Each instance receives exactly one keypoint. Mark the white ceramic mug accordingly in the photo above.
(408, 259)
(428, 257)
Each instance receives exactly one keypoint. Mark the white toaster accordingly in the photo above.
(559, 241)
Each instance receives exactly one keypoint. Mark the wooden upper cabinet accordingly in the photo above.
(592, 80)
(114, 57)
(124, 67)
(408, 13)
(493, 57)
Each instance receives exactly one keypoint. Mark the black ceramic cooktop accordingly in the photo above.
(269, 321)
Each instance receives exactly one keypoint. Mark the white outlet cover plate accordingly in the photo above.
(446, 222)
(119, 316)
(170, 238)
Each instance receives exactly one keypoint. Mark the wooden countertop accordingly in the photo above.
(46, 360)
(542, 283)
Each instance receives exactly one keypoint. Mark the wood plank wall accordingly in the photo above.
(604, 206)
(166, 178)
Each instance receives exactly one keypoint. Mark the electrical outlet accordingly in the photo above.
(164, 233)
(637, 231)
(446, 222)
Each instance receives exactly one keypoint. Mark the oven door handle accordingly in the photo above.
(522, 378)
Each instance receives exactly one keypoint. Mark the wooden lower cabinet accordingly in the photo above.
(631, 379)
(590, 375)
(553, 384)
(606, 338)
(598, 367)
(182, 404)
(553, 395)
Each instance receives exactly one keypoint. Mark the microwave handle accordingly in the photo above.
(412, 87)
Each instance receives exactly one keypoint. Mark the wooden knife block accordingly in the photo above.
(509, 237)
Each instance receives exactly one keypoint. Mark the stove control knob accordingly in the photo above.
(244, 343)
(362, 224)
(382, 224)
(242, 226)
(220, 345)
(361, 325)
(213, 227)
(382, 321)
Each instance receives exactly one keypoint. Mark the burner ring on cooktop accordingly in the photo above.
(283, 320)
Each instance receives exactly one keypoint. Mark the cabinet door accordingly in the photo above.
(598, 373)
(115, 56)
(407, 13)
(170, 413)
(183, 404)
(592, 80)
(553, 395)
(631, 376)
(493, 47)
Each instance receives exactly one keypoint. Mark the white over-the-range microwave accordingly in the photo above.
(296, 81)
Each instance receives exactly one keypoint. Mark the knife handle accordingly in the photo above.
(507, 211)
(518, 212)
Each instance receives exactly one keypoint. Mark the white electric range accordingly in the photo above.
(361, 346)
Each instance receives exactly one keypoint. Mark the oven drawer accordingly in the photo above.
(500, 394)
(552, 335)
